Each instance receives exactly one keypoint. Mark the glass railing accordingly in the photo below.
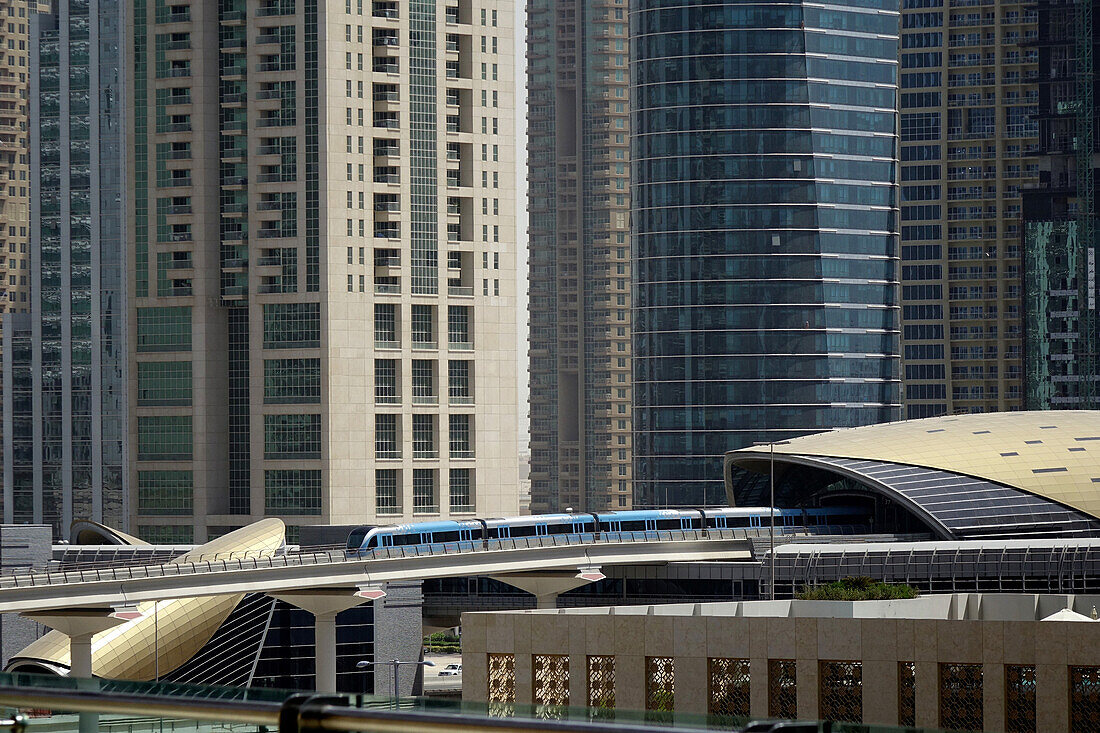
(51, 704)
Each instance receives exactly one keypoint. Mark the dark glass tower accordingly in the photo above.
(765, 230)
(65, 425)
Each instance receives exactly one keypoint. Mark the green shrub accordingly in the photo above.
(859, 588)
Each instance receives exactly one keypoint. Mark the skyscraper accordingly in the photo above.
(579, 197)
(969, 104)
(1062, 331)
(15, 192)
(64, 409)
(324, 263)
(765, 231)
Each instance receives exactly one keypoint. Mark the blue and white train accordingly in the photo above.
(591, 526)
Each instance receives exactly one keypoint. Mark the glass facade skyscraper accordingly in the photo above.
(765, 230)
(65, 421)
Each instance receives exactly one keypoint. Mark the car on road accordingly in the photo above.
(451, 670)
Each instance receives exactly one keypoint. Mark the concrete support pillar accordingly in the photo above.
(324, 630)
(81, 625)
(324, 604)
(547, 585)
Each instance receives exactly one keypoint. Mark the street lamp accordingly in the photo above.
(363, 664)
(771, 511)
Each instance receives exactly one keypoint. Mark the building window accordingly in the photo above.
(387, 491)
(660, 686)
(782, 689)
(840, 691)
(292, 325)
(458, 327)
(164, 438)
(292, 437)
(550, 675)
(907, 693)
(728, 686)
(167, 534)
(1084, 699)
(961, 696)
(292, 491)
(423, 382)
(459, 388)
(165, 493)
(501, 682)
(424, 494)
(387, 436)
(164, 329)
(386, 391)
(292, 381)
(459, 432)
(461, 489)
(424, 436)
(601, 681)
(1020, 699)
(385, 325)
(164, 383)
(423, 326)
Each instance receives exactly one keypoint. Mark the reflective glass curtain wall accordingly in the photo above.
(72, 464)
(765, 230)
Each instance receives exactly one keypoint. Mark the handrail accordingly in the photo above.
(268, 559)
(303, 712)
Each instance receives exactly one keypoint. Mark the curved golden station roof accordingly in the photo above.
(173, 630)
(1054, 454)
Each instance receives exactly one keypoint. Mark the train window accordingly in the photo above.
(668, 523)
(444, 537)
(634, 526)
(355, 539)
(559, 528)
(407, 539)
(528, 531)
(737, 522)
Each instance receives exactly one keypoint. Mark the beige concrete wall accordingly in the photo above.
(879, 643)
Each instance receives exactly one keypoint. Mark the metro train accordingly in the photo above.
(590, 526)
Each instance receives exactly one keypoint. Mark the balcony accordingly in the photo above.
(464, 399)
(268, 38)
(391, 41)
(424, 454)
(387, 289)
(460, 290)
(425, 346)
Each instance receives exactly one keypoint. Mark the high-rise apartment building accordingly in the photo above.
(969, 137)
(579, 200)
(1061, 327)
(15, 188)
(765, 231)
(64, 375)
(322, 235)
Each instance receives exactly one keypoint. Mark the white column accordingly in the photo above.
(324, 604)
(80, 655)
(324, 630)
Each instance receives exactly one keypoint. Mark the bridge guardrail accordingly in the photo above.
(226, 561)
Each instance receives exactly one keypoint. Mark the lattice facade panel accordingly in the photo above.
(728, 686)
(660, 684)
(1020, 698)
(840, 692)
(782, 689)
(907, 693)
(1084, 699)
(961, 704)
(502, 684)
(601, 681)
(550, 673)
